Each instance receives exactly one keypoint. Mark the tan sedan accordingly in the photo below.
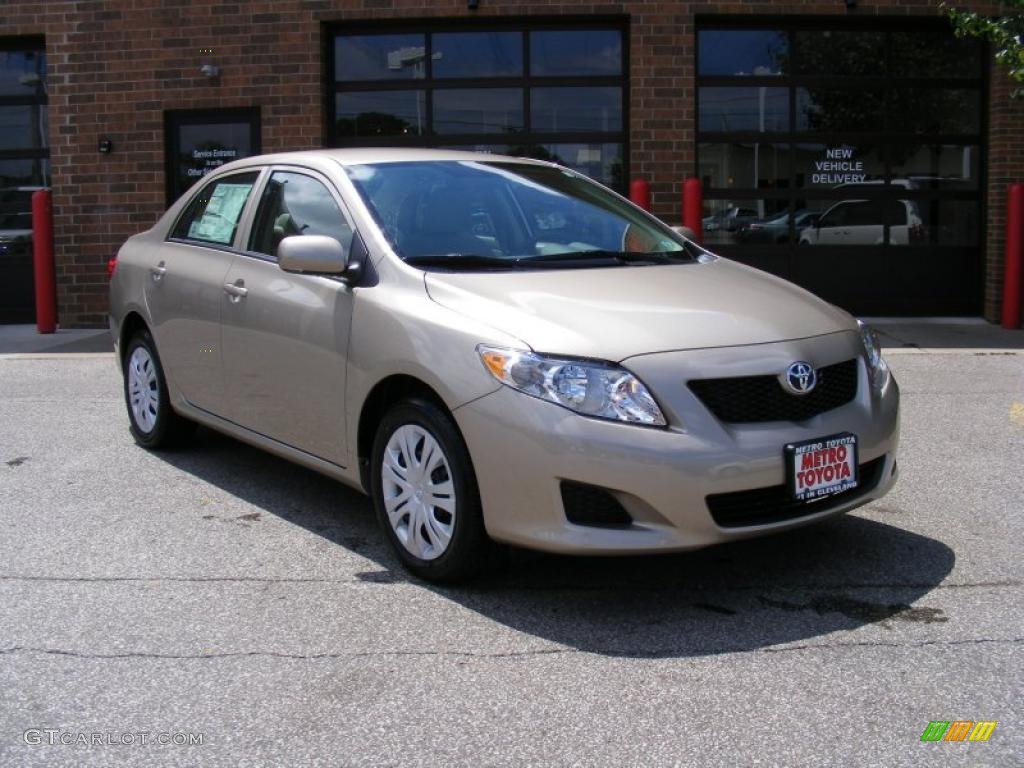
(497, 350)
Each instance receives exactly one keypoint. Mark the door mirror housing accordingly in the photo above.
(312, 254)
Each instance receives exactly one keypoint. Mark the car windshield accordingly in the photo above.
(505, 215)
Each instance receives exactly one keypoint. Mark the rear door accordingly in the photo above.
(285, 336)
(185, 287)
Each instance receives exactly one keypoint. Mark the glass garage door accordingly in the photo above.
(553, 92)
(848, 159)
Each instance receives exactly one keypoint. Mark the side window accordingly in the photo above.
(296, 204)
(212, 216)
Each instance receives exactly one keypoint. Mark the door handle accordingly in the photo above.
(236, 291)
(158, 272)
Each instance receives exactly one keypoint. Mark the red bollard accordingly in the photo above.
(42, 262)
(693, 207)
(640, 194)
(1014, 254)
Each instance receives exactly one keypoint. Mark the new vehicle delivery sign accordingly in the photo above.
(822, 467)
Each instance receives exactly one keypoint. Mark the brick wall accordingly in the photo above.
(115, 66)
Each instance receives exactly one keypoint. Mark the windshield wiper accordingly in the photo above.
(545, 260)
(461, 261)
(623, 257)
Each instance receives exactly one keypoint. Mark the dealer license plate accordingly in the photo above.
(822, 467)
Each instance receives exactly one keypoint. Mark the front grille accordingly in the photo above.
(593, 506)
(747, 399)
(761, 506)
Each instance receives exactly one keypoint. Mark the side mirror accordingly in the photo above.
(312, 254)
(685, 232)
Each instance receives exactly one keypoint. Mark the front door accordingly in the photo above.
(285, 336)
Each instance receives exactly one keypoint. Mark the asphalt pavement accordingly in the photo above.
(221, 595)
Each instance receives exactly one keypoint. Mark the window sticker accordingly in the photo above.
(217, 224)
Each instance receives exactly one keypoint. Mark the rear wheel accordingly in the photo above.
(154, 424)
(425, 493)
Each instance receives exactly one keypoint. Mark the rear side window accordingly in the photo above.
(296, 204)
(213, 214)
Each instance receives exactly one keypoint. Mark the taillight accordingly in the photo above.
(111, 266)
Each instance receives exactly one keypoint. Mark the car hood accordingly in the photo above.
(619, 312)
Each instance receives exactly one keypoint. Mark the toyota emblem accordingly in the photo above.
(800, 378)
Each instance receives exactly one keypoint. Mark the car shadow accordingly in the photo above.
(751, 594)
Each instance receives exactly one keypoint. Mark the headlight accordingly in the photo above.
(878, 369)
(590, 388)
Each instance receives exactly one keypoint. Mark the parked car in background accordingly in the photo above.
(863, 222)
(497, 350)
(729, 219)
(776, 229)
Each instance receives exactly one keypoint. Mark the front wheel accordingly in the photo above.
(425, 493)
(154, 424)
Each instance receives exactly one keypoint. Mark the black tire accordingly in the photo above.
(469, 548)
(168, 429)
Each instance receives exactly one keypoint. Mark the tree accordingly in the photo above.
(1005, 33)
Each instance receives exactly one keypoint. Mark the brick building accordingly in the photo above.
(857, 148)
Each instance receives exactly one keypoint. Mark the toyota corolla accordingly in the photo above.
(498, 351)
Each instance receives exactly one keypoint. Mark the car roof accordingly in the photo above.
(367, 155)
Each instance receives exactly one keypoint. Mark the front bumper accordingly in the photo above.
(523, 448)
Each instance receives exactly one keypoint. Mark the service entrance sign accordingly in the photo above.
(198, 142)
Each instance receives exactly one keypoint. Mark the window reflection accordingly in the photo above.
(380, 57)
(834, 52)
(872, 161)
(838, 110)
(576, 109)
(15, 211)
(864, 221)
(22, 73)
(943, 223)
(296, 204)
(23, 126)
(24, 172)
(743, 109)
(577, 119)
(478, 54)
(936, 166)
(727, 222)
(933, 53)
(742, 52)
(478, 110)
(491, 149)
(380, 113)
(576, 52)
(743, 165)
(601, 162)
(935, 110)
